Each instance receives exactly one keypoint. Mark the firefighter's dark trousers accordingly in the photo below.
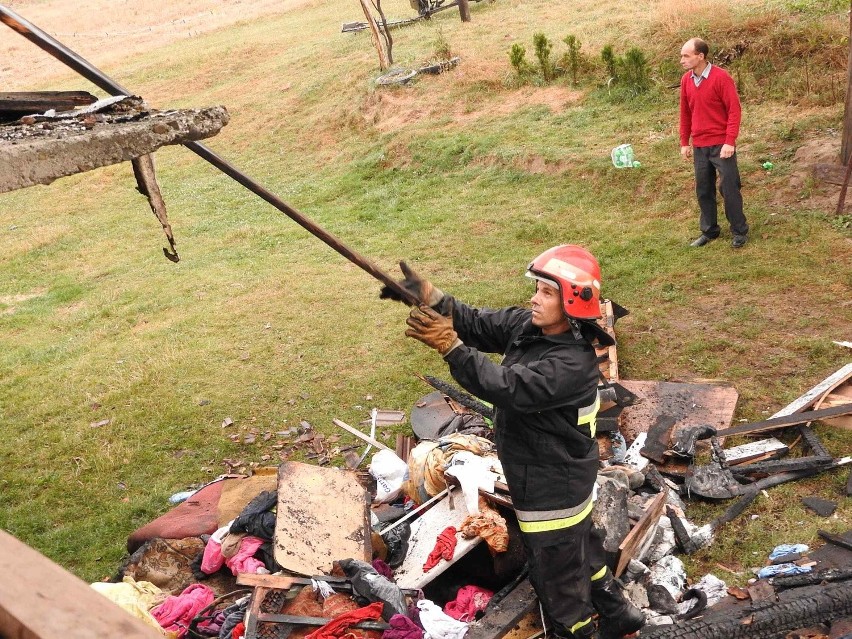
(555, 527)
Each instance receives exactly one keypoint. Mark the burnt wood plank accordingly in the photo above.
(763, 620)
(499, 620)
(790, 420)
(20, 103)
(784, 465)
(640, 531)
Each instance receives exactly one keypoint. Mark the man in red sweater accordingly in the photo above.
(710, 114)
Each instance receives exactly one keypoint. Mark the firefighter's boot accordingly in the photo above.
(618, 617)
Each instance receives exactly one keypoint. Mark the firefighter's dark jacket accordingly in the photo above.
(537, 390)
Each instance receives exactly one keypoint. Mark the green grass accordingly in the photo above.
(463, 175)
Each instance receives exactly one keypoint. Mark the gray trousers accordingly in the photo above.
(707, 164)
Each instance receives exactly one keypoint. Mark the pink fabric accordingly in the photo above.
(469, 600)
(176, 613)
(337, 627)
(401, 627)
(212, 559)
(244, 560)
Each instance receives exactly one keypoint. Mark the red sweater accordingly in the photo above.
(710, 112)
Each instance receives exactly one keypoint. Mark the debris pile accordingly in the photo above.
(396, 550)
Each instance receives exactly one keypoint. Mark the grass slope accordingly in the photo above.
(468, 176)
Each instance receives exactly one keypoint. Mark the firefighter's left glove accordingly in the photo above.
(419, 288)
(433, 329)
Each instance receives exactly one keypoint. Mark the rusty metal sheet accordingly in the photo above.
(322, 517)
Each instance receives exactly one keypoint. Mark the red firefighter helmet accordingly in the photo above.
(577, 275)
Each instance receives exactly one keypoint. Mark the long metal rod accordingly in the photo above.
(100, 79)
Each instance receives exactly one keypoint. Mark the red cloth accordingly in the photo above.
(194, 517)
(175, 613)
(444, 548)
(238, 631)
(710, 112)
(468, 601)
(337, 627)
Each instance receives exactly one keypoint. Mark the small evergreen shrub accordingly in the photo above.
(543, 47)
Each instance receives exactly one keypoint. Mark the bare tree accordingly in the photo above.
(379, 33)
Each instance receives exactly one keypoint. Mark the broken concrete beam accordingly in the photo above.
(610, 513)
(30, 160)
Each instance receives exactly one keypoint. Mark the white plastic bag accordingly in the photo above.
(389, 472)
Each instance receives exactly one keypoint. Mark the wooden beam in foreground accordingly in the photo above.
(40, 600)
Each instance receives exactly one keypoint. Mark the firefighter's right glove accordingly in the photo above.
(422, 289)
(432, 328)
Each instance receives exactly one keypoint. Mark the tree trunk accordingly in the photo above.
(846, 145)
(464, 10)
(375, 37)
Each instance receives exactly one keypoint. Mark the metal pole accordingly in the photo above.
(100, 79)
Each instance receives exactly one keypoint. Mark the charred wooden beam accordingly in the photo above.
(812, 442)
(812, 578)
(15, 104)
(783, 465)
(684, 541)
(764, 620)
(784, 422)
(458, 395)
(501, 618)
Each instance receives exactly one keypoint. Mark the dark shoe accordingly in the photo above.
(739, 241)
(702, 240)
(618, 617)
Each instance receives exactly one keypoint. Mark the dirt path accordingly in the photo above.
(105, 31)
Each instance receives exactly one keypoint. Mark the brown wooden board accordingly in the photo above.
(789, 420)
(40, 600)
(639, 533)
(322, 517)
(841, 393)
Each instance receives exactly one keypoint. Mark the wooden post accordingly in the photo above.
(376, 37)
(846, 145)
(464, 10)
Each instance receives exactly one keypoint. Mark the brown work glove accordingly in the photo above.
(413, 283)
(432, 328)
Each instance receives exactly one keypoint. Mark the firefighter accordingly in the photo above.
(545, 395)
